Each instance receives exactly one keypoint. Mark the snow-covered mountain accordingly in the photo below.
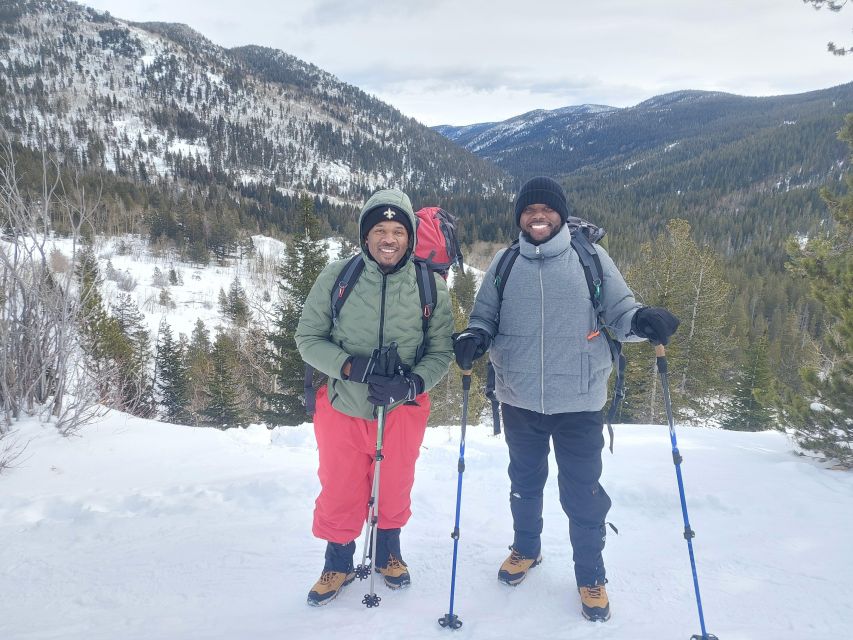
(592, 137)
(139, 530)
(157, 99)
(487, 137)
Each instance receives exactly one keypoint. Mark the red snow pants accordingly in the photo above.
(347, 446)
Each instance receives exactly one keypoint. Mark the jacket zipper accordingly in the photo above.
(541, 335)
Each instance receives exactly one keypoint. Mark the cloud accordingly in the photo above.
(492, 59)
(335, 12)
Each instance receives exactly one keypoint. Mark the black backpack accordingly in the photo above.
(584, 236)
(436, 236)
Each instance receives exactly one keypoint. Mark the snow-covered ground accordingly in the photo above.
(144, 530)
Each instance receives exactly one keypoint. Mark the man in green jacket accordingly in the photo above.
(383, 306)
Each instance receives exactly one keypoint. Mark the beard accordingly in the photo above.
(534, 242)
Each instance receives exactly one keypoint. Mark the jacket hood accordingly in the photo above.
(384, 198)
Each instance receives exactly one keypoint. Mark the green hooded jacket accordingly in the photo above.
(381, 308)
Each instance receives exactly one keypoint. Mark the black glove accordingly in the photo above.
(470, 345)
(384, 361)
(655, 323)
(360, 368)
(383, 391)
(388, 363)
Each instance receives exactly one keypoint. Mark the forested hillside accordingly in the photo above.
(198, 136)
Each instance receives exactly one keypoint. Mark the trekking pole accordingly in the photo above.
(388, 356)
(689, 534)
(450, 620)
(367, 569)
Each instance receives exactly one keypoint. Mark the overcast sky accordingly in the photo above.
(465, 61)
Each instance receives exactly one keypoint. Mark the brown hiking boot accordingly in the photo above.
(594, 603)
(396, 573)
(515, 567)
(328, 587)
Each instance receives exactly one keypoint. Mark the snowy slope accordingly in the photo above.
(143, 530)
(196, 296)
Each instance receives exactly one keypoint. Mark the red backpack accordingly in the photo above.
(437, 244)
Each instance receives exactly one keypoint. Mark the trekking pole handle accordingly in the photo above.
(660, 352)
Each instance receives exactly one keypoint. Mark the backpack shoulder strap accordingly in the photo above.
(428, 295)
(339, 294)
(505, 263)
(591, 263)
(346, 281)
(504, 267)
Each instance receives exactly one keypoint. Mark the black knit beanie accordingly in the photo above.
(541, 190)
(383, 213)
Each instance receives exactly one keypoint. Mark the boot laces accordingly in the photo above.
(394, 563)
(595, 592)
(327, 578)
(515, 558)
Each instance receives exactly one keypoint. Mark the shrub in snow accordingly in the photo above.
(125, 281)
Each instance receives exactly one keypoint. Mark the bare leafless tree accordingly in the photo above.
(40, 307)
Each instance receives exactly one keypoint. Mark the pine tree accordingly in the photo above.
(748, 409)
(93, 313)
(115, 353)
(674, 272)
(446, 396)
(223, 236)
(171, 376)
(245, 245)
(135, 384)
(347, 249)
(224, 307)
(224, 407)
(165, 299)
(793, 349)
(305, 259)
(237, 305)
(158, 279)
(823, 422)
(197, 364)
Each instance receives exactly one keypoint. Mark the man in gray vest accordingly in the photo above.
(552, 364)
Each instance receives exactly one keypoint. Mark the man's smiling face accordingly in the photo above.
(387, 243)
(539, 222)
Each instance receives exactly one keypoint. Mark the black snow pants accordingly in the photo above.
(578, 442)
